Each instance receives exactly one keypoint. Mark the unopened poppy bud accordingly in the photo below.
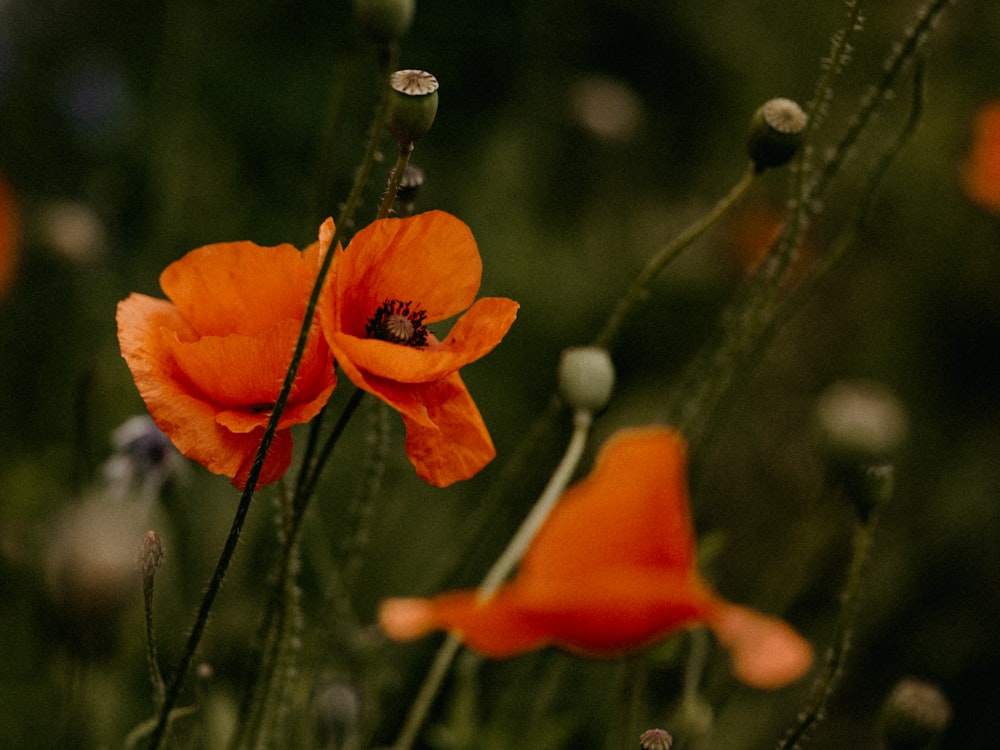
(384, 20)
(655, 739)
(413, 104)
(775, 135)
(586, 377)
(150, 554)
(914, 716)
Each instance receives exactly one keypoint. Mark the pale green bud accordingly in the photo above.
(586, 377)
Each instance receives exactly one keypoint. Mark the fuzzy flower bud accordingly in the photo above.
(775, 135)
(150, 554)
(413, 104)
(384, 20)
(914, 716)
(586, 377)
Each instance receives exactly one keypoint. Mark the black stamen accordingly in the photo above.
(399, 323)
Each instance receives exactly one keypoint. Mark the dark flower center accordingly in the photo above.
(398, 322)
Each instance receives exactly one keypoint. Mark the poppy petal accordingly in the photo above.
(430, 260)
(642, 469)
(457, 444)
(473, 336)
(766, 652)
(149, 330)
(609, 611)
(239, 287)
(496, 629)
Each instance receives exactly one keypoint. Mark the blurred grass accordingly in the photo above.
(183, 123)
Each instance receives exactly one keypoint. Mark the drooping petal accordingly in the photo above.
(765, 651)
(239, 287)
(457, 444)
(473, 336)
(430, 259)
(149, 331)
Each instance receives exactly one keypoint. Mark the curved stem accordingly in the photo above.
(497, 574)
(667, 254)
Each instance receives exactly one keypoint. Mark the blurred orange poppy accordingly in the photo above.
(210, 361)
(611, 571)
(980, 173)
(9, 236)
(395, 277)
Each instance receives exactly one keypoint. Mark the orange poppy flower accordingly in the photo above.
(611, 571)
(980, 175)
(396, 277)
(209, 363)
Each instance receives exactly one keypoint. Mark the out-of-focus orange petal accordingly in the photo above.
(472, 337)
(10, 232)
(612, 571)
(766, 652)
(430, 259)
(980, 172)
(497, 629)
(457, 444)
(239, 287)
(642, 470)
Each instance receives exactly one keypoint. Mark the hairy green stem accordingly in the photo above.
(402, 159)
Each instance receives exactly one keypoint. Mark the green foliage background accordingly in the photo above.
(182, 123)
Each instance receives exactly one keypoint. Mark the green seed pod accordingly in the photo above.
(413, 104)
(384, 20)
(914, 716)
(775, 135)
(586, 377)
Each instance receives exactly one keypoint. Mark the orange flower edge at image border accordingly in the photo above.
(612, 571)
(209, 363)
(404, 274)
(980, 171)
